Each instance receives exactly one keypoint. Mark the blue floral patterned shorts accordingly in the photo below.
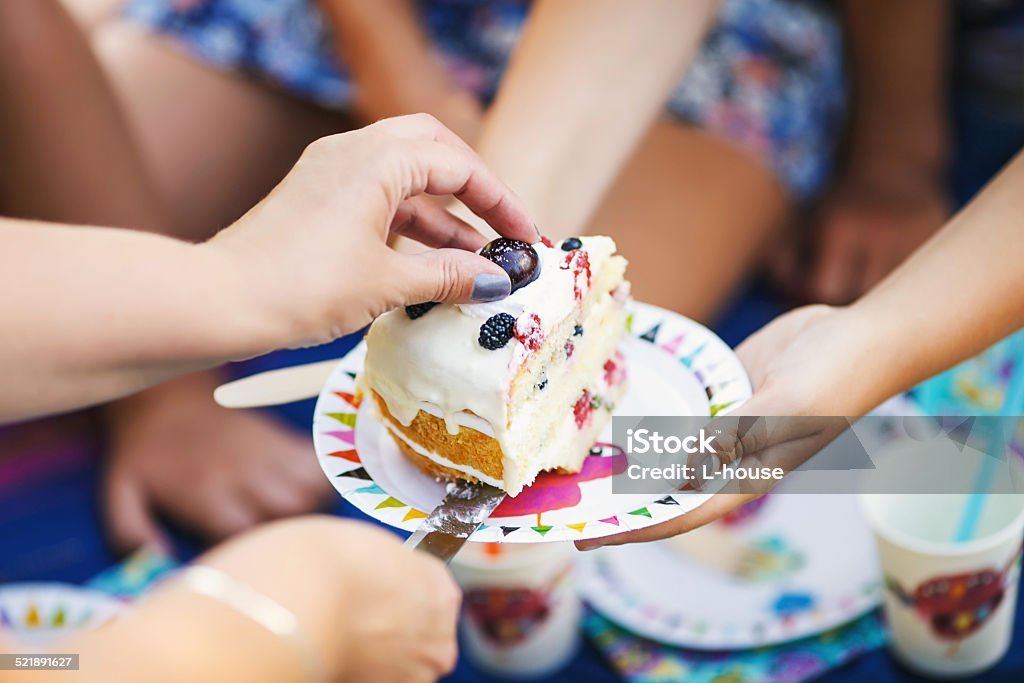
(769, 77)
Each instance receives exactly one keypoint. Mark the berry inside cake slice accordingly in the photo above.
(499, 392)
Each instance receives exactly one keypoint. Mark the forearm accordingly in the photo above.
(899, 108)
(211, 642)
(584, 84)
(91, 314)
(958, 294)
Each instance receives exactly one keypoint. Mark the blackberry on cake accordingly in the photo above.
(496, 332)
(418, 310)
(499, 392)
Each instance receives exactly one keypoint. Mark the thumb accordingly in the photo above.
(129, 522)
(451, 276)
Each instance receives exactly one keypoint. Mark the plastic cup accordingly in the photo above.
(521, 612)
(949, 604)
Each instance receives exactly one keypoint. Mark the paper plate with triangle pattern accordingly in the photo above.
(676, 367)
(35, 614)
(781, 568)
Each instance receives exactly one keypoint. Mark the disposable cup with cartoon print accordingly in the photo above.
(521, 612)
(949, 603)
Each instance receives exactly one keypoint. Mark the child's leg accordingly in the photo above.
(696, 213)
(762, 107)
(66, 152)
(215, 142)
(91, 13)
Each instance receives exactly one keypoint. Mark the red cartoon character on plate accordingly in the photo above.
(557, 491)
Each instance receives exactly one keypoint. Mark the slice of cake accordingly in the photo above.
(499, 392)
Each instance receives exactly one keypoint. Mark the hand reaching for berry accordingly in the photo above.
(307, 264)
(516, 258)
(372, 179)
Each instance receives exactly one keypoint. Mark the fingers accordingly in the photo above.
(754, 432)
(783, 263)
(446, 602)
(421, 126)
(283, 498)
(880, 258)
(286, 492)
(753, 441)
(231, 514)
(716, 506)
(421, 219)
(448, 275)
(434, 160)
(129, 519)
(231, 519)
(838, 262)
(304, 473)
(282, 480)
(439, 169)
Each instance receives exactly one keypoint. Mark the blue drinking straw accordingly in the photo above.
(976, 500)
(1012, 401)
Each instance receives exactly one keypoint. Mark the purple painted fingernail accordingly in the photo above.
(491, 287)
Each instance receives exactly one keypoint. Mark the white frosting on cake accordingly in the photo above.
(552, 454)
(435, 363)
(437, 359)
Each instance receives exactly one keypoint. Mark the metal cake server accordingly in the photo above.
(444, 531)
(465, 507)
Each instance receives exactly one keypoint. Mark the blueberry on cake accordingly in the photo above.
(499, 392)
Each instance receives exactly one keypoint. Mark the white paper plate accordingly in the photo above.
(36, 614)
(813, 567)
(676, 367)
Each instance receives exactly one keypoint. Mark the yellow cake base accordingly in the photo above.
(431, 434)
(468, 447)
